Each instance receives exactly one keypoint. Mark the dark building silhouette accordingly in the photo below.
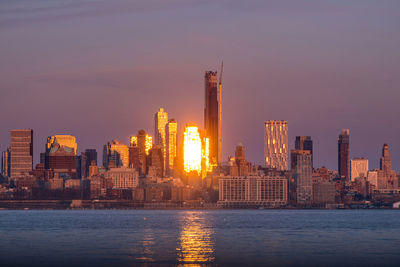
(211, 113)
(155, 162)
(305, 143)
(344, 153)
(6, 162)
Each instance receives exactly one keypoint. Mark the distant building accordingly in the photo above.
(242, 191)
(304, 143)
(62, 161)
(276, 144)
(240, 167)
(344, 153)
(6, 162)
(87, 158)
(387, 178)
(160, 121)
(323, 193)
(358, 168)
(21, 152)
(123, 178)
(140, 146)
(115, 154)
(155, 162)
(302, 174)
(64, 141)
(171, 131)
(211, 114)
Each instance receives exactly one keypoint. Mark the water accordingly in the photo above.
(210, 237)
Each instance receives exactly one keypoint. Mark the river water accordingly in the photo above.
(203, 237)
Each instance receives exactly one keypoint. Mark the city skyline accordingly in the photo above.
(311, 82)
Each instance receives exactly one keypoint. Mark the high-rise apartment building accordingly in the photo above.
(115, 154)
(171, 131)
(358, 168)
(276, 144)
(302, 175)
(155, 162)
(304, 143)
(211, 114)
(344, 153)
(160, 121)
(21, 152)
(5, 162)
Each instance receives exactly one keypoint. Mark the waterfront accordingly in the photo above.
(221, 237)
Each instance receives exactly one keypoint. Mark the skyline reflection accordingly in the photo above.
(196, 242)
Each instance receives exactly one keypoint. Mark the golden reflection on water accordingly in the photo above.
(195, 243)
(147, 244)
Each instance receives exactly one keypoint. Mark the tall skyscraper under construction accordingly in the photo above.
(211, 113)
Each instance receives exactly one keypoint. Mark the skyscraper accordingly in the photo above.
(5, 162)
(304, 143)
(115, 154)
(140, 148)
(344, 153)
(171, 130)
(276, 144)
(211, 113)
(87, 157)
(21, 152)
(387, 178)
(302, 174)
(160, 121)
(192, 149)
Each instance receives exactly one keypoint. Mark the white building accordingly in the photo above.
(123, 178)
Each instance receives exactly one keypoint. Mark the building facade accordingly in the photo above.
(160, 121)
(123, 178)
(252, 191)
(211, 114)
(171, 132)
(21, 152)
(302, 175)
(344, 153)
(6, 162)
(276, 144)
(358, 168)
(304, 143)
(115, 154)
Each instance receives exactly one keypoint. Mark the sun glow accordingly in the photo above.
(192, 149)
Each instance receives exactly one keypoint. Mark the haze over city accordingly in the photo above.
(100, 70)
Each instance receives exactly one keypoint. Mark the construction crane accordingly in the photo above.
(220, 112)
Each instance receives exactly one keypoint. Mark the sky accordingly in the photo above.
(99, 70)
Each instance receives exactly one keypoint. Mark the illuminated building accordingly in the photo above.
(358, 168)
(242, 191)
(276, 144)
(344, 153)
(192, 152)
(302, 175)
(5, 162)
(21, 152)
(115, 154)
(63, 141)
(62, 161)
(386, 178)
(211, 114)
(304, 143)
(140, 146)
(160, 121)
(171, 130)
